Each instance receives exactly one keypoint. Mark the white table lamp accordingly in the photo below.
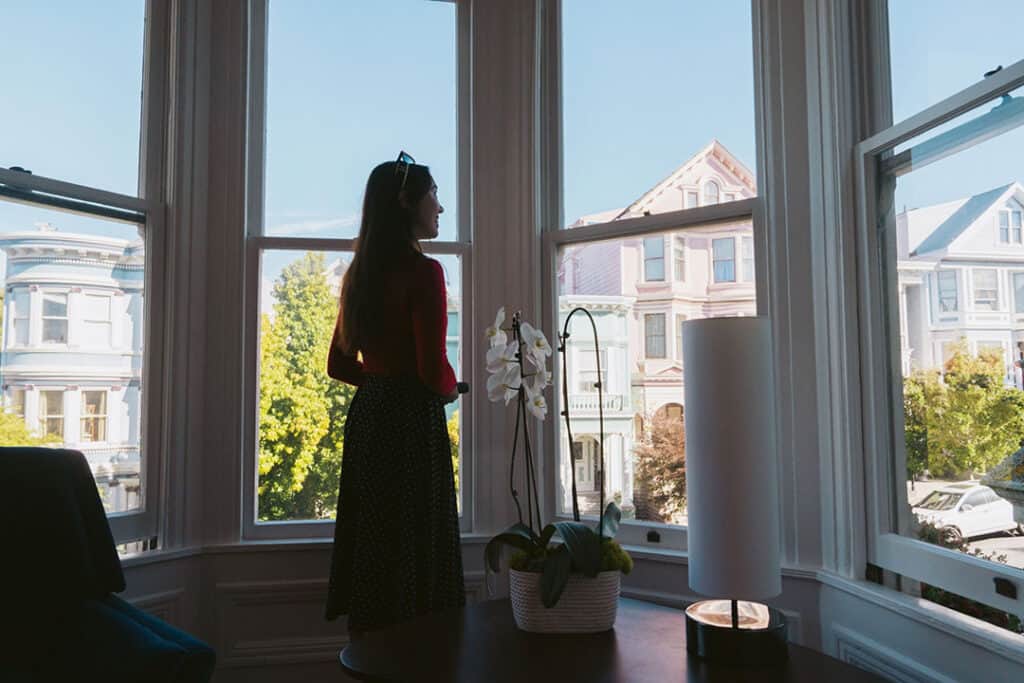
(732, 490)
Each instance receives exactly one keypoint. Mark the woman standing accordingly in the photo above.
(396, 541)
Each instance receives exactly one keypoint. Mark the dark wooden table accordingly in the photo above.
(481, 644)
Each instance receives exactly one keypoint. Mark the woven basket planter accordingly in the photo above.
(586, 606)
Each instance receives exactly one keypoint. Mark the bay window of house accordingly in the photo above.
(680, 319)
(14, 403)
(51, 413)
(19, 312)
(312, 150)
(654, 335)
(947, 289)
(55, 318)
(679, 257)
(619, 216)
(82, 210)
(1018, 292)
(654, 259)
(723, 256)
(747, 245)
(93, 416)
(960, 154)
(986, 289)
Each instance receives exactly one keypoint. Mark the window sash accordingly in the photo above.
(679, 252)
(986, 289)
(1018, 292)
(881, 381)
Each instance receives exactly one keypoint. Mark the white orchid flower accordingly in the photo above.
(536, 342)
(537, 405)
(495, 335)
(504, 385)
(500, 358)
(541, 380)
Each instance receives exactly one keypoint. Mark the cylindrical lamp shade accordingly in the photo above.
(731, 473)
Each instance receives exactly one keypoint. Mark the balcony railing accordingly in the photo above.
(588, 402)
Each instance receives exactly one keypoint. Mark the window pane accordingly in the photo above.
(68, 123)
(55, 350)
(1018, 292)
(654, 259)
(724, 256)
(643, 454)
(654, 56)
(938, 48)
(302, 411)
(961, 407)
(333, 115)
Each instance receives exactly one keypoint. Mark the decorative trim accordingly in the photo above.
(864, 653)
(165, 605)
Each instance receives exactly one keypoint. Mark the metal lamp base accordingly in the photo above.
(736, 631)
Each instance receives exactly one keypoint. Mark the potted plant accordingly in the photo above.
(565, 577)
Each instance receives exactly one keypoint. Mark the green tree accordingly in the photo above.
(965, 422)
(302, 410)
(453, 437)
(13, 432)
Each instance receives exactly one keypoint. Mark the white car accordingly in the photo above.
(967, 509)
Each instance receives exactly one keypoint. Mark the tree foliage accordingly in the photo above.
(453, 437)
(660, 467)
(964, 421)
(13, 432)
(302, 410)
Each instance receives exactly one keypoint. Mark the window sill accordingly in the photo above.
(932, 615)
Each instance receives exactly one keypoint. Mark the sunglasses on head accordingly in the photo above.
(402, 165)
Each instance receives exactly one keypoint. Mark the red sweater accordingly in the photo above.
(414, 327)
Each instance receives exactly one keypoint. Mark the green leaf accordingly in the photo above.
(610, 520)
(583, 545)
(518, 536)
(546, 534)
(557, 566)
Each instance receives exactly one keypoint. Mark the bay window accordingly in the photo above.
(311, 149)
(82, 215)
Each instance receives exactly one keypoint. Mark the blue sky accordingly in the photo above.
(351, 83)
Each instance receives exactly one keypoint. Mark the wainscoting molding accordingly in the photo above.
(868, 654)
(164, 605)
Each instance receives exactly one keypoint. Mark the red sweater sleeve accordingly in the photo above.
(342, 366)
(430, 327)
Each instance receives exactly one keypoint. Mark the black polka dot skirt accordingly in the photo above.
(396, 539)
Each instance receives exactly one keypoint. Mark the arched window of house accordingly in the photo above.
(673, 411)
(711, 192)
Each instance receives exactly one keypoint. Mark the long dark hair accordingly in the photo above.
(385, 240)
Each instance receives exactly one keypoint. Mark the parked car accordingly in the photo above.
(967, 510)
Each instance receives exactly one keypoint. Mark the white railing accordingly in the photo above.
(589, 402)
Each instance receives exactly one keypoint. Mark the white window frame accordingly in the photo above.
(648, 317)
(9, 403)
(956, 291)
(887, 508)
(255, 242)
(654, 239)
(974, 289)
(708, 185)
(108, 321)
(66, 293)
(679, 320)
(25, 317)
(83, 416)
(1018, 297)
(679, 258)
(148, 210)
(42, 416)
